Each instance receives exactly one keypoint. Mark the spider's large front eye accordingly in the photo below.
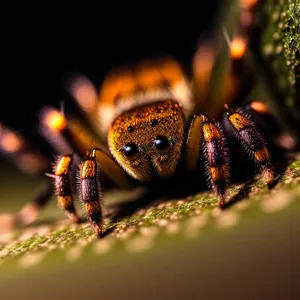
(162, 144)
(131, 151)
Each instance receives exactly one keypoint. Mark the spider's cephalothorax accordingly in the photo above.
(149, 122)
(148, 139)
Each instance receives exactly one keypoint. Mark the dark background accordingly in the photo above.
(43, 44)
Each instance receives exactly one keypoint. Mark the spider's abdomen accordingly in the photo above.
(148, 82)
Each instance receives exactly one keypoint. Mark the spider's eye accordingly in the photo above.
(131, 151)
(153, 122)
(162, 144)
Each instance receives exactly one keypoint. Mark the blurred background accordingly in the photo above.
(43, 44)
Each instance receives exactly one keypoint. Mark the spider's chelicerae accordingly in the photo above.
(149, 123)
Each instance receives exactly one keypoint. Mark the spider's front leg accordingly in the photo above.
(91, 193)
(32, 161)
(63, 188)
(210, 136)
(73, 136)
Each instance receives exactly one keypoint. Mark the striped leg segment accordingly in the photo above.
(215, 154)
(63, 186)
(253, 142)
(91, 193)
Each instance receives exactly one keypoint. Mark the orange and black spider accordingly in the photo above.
(149, 124)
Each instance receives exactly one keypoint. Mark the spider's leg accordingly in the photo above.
(90, 188)
(271, 126)
(87, 98)
(62, 183)
(253, 142)
(210, 136)
(32, 209)
(66, 135)
(109, 167)
(32, 162)
(71, 135)
(215, 154)
(91, 193)
(21, 152)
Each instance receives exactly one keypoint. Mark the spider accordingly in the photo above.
(149, 123)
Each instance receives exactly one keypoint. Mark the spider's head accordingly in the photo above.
(148, 139)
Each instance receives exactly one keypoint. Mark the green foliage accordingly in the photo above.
(159, 223)
(281, 45)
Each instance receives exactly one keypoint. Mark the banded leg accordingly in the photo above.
(217, 161)
(63, 189)
(210, 136)
(72, 136)
(87, 97)
(22, 153)
(32, 162)
(253, 142)
(91, 193)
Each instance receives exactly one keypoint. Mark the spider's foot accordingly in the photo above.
(221, 201)
(7, 222)
(268, 176)
(98, 229)
(73, 217)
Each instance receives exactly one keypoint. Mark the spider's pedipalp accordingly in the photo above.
(253, 143)
(91, 193)
(215, 153)
(193, 143)
(63, 186)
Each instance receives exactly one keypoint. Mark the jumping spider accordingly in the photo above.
(149, 123)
